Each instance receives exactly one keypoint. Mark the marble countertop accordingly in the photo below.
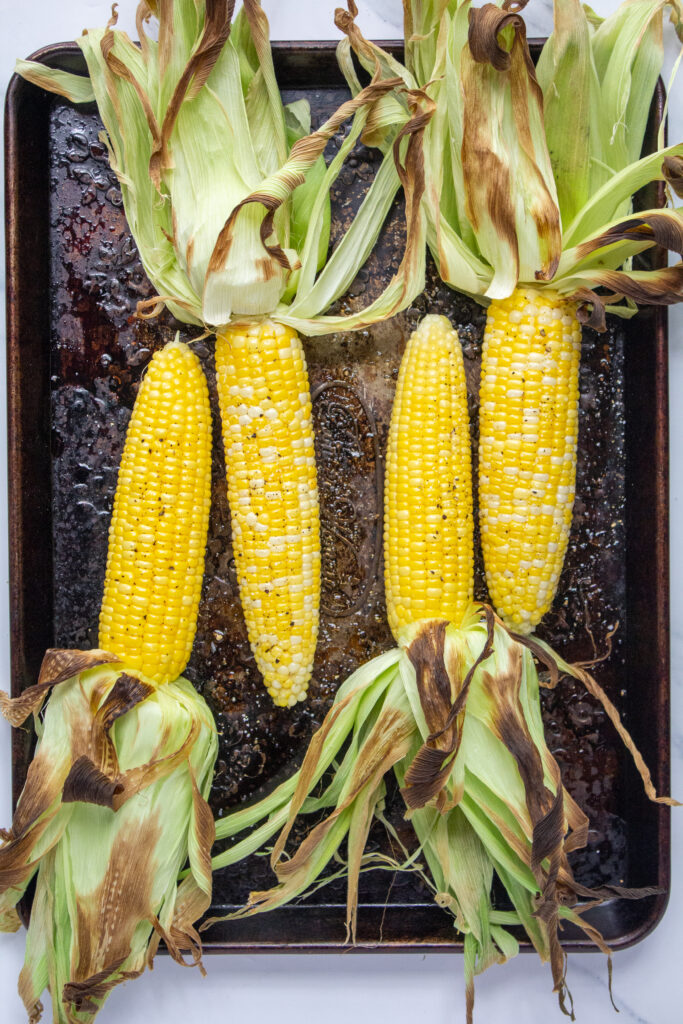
(399, 987)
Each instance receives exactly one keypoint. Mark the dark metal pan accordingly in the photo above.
(75, 356)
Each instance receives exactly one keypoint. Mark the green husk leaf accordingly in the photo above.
(566, 73)
(355, 699)
(298, 124)
(600, 211)
(265, 111)
(523, 900)
(627, 50)
(448, 199)
(387, 742)
(423, 23)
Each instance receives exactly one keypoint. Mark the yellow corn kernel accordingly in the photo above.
(273, 495)
(428, 520)
(157, 536)
(528, 424)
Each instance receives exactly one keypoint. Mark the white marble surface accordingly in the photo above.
(343, 987)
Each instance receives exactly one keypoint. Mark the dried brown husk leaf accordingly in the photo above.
(486, 24)
(656, 287)
(57, 666)
(194, 76)
(672, 169)
(436, 684)
(510, 190)
(558, 666)
(654, 227)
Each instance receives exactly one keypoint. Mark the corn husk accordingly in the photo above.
(454, 713)
(113, 807)
(225, 190)
(530, 173)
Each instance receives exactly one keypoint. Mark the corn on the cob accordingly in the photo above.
(157, 536)
(108, 815)
(528, 423)
(428, 522)
(272, 490)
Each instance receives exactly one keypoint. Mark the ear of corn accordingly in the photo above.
(428, 524)
(107, 819)
(157, 537)
(115, 799)
(111, 875)
(528, 424)
(272, 490)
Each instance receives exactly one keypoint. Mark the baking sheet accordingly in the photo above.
(75, 357)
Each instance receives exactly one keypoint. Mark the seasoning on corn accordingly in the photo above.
(226, 192)
(115, 798)
(272, 489)
(428, 523)
(528, 425)
(157, 537)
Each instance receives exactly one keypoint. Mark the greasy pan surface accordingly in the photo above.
(76, 355)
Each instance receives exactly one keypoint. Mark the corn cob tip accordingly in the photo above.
(284, 696)
(434, 322)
